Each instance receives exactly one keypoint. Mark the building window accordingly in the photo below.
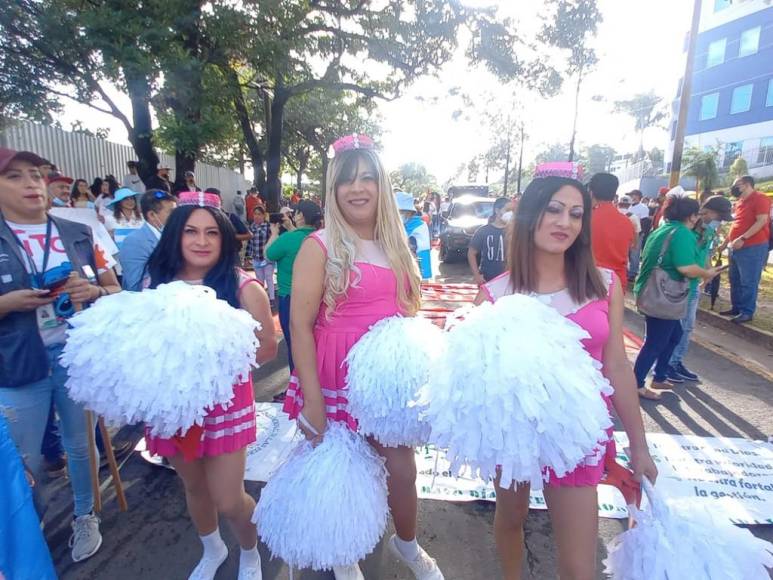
(732, 152)
(742, 99)
(750, 42)
(765, 156)
(721, 4)
(716, 54)
(769, 99)
(709, 106)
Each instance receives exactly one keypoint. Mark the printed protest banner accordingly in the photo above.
(87, 216)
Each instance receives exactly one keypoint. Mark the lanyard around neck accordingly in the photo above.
(46, 252)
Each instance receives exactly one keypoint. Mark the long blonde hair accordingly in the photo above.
(389, 234)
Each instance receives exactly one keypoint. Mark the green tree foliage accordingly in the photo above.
(597, 158)
(702, 165)
(413, 178)
(739, 168)
(646, 111)
(570, 26)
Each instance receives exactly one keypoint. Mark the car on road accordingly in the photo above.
(466, 214)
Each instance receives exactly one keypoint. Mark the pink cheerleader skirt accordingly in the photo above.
(224, 431)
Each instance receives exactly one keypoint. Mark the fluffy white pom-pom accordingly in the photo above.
(325, 506)
(387, 368)
(685, 540)
(161, 356)
(515, 388)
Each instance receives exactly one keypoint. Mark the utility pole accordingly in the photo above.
(684, 101)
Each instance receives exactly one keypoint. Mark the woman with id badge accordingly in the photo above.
(49, 267)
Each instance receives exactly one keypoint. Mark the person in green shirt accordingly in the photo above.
(715, 210)
(283, 249)
(680, 261)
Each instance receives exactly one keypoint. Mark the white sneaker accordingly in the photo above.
(352, 572)
(423, 567)
(85, 539)
(252, 571)
(207, 567)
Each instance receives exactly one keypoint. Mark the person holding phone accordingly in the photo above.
(34, 333)
(282, 250)
(713, 212)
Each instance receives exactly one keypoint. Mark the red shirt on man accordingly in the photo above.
(612, 235)
(746, 212)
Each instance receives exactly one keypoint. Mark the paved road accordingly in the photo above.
(155, 540)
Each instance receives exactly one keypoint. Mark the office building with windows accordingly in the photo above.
(731, 105)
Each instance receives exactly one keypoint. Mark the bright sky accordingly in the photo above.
(639, 45)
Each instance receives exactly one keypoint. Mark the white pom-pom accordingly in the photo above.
(685, 540)
(325, 506)
(163, 356)
(515, 388)
(387, 368)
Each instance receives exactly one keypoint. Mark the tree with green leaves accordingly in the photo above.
(598, 158)
(702, 165)
(739, 168)
(646, 111)
(571, 27)
(413, 178)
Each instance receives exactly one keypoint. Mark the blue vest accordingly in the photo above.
(23, 356)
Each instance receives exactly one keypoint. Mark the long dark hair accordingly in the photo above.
(74, 192)
(118, 214)
(96, 187)
(583, 279)
(166, 261)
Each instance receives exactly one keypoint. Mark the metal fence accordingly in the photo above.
(84, 157)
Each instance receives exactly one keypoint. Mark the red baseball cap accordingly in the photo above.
(53, 178)
(8, 155)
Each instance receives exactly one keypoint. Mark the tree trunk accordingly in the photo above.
(274, 154)
(141, 136)
(186, 84)
(576, 113)
(507, 167)
(245, 124)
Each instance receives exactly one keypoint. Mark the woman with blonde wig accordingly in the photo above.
(347, 277)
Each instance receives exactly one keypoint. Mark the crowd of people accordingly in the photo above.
(339, 270)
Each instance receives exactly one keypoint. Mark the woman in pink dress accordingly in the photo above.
(198, 246)
(346, 278)
(550, 258)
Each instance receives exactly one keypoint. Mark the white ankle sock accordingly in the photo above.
(409, 549)
(249, 558)
(215, 553)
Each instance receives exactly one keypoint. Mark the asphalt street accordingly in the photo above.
(155, 540)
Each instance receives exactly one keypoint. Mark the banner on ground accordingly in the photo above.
(731, 475)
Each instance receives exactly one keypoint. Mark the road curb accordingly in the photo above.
(759, 337)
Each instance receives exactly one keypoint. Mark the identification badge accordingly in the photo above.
(46, 317)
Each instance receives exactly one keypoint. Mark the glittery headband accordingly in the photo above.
(353, 141)
(199, 198)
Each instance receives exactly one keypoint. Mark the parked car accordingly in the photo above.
(465, 216)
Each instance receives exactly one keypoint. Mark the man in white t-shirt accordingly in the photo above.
(637, 208)
(36, 253)
(132, 180)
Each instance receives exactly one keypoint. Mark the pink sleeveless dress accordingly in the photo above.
(372, 299)
(593, 316)
(225, 430)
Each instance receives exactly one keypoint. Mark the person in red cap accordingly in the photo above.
(42, 253)
(59, 189)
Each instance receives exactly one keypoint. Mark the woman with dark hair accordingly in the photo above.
(81, 195)
(680, 260)
(198, 246)
(100, 189)
(550, 257)
(124, 216)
